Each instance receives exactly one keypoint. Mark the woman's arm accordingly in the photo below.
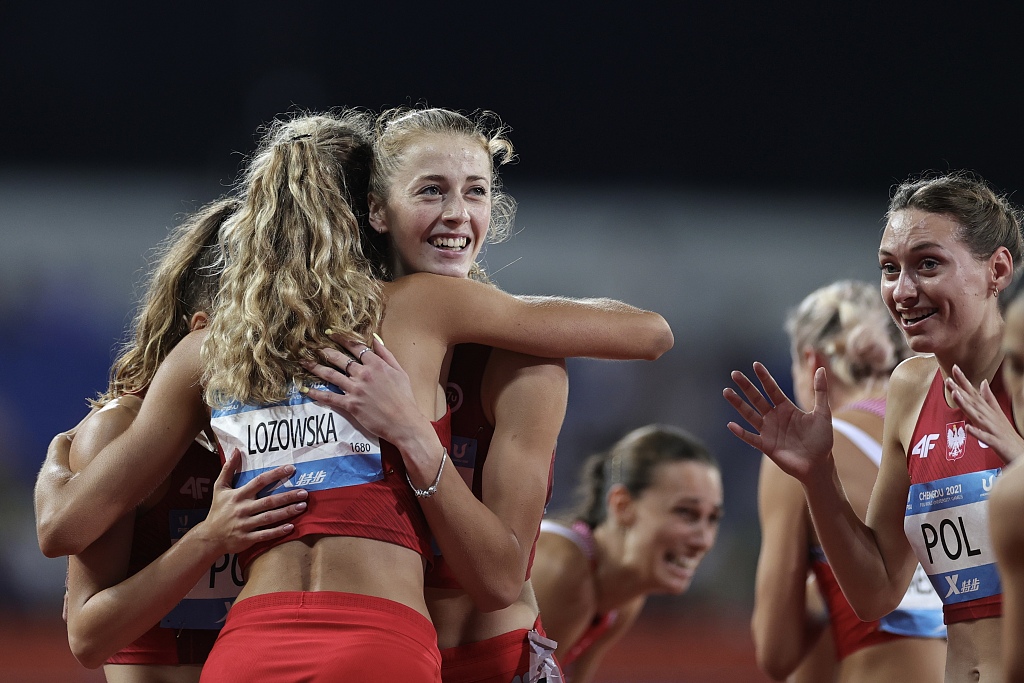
(782, 628)
(873, 562)
(107, 611)
(584, 669)
(50, 495)
(564, 587)
(550, 327)
(487, 544)
(1007, 509)
(126, 470)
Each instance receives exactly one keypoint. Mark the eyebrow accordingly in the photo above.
(438, 177)
(917, 247)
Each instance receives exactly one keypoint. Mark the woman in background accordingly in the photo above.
(649, 513)
(949, 247)
(845, 329)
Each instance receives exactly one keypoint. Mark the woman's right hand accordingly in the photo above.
(238, 519)
(798, 442)
(986, 420)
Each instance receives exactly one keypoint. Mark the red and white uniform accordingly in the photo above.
(187, 633)
(951, 475)
(918, 615)
(583, 536)
(526, 653)
(357, 487)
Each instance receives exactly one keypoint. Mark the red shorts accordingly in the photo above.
(495, 660)
(323, 636)
(167, 646)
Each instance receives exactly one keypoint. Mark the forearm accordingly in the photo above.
(54, 536)
(482, 551)
(118, 615)
(854, 553)
(610, 329)
(783, 628)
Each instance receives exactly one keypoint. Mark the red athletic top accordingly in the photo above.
(353, 491)
(471, 441)
(187, 501)
(951, 474)
(583, 536)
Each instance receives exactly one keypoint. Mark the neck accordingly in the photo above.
(615, 583)
(978, 358)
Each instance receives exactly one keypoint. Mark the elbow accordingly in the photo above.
(774, 659)
(51, 542)
(498, 594)
(874, 607)
(660, 337)
(86, 649)
(774, 667)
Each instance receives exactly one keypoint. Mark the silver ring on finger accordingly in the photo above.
(350, 362)
(360, 356)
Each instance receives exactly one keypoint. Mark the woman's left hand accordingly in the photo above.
(986, 420)
(377, 391)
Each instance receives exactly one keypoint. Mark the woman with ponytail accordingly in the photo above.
(648, 513)
(342, 593)
(181, 538)
(845, 329)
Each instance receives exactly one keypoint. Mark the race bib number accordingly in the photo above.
(328, 448)
(947, 525)
(206, 605)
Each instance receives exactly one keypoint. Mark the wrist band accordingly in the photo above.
(432, 489)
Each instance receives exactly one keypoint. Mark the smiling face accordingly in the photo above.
(938, 293)
(438, 208)
(673, 524)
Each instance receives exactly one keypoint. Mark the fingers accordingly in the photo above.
(279, 514)
(336, 370)
(329, 399)
(821, 392)
(748, 438)
(227, 472)
(743, 408)
(753, 394)
(772, 390)
(988, 396)
(261, 481)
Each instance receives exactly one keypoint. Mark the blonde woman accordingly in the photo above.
(845, 329)
(347, 582)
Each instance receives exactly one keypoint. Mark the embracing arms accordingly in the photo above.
(551, 327)
(486, 543)
(107, 609)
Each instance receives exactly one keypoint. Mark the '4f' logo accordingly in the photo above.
(196, 487)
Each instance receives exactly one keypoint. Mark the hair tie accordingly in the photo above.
(300, 137)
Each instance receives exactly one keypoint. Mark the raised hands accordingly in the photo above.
(238, 519)
(796, 441)
(986, 420)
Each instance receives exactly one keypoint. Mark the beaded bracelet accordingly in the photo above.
(432, 489)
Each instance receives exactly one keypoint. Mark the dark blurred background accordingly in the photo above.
(712, 161)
